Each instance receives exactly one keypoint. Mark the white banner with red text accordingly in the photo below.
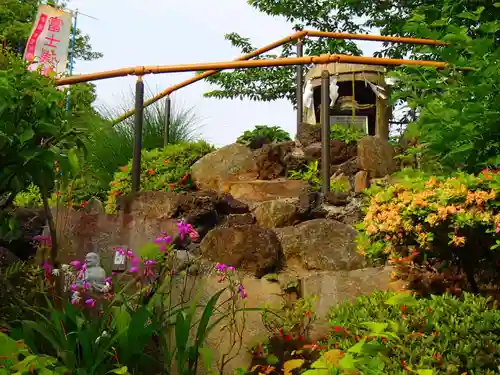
(48, 44)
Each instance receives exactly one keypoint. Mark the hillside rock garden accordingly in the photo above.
(230, 260)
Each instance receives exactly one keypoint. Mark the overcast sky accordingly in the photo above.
(159, 32)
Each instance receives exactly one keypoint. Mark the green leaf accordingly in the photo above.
(375, 327)
(207, 356)
(121, 371)
(401, 299)
(272, 360)
(26, 136)
(73, 160)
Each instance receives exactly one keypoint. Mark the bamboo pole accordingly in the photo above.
(376, 38)
(323, 59)
(209, 73)
(298, 35)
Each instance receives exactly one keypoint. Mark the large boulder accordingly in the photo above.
(276, 213)
(347, 168)
(234, 162)
(376, 156)
(350, 214)
(321, 244)
(308, 134)
(246, 247)
(339, 152)
(203, 209)
(260, 191)
(270, 159)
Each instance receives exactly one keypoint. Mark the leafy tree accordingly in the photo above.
(352, 16)
(457, 123)
(36, 138)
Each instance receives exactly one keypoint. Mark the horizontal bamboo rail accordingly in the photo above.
(323, 59)
(296, 36)
(376, 38)
(209, 73)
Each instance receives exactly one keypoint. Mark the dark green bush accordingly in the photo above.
(271, 133)
(161, 170)
(443, 333)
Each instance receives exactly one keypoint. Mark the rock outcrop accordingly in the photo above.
(247, 247)
(376, 156)
(230, 163)
(321, 244)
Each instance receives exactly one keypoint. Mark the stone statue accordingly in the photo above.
(94, 275)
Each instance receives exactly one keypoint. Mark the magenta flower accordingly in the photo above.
(76, 264)
(136, 260)
(497, 230)
(86, 286)
(74, 287)
(47, 267)
(220, 267)
(43, 240)
(230, 269)
(130, 253)
(133, 269)
(90, 302)
(108, 280)
(183, 229)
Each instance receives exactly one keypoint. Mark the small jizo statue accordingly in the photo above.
(94, 276)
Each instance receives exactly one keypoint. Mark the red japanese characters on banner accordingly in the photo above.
(47, 47)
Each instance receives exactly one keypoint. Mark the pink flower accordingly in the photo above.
(76, 264)
(498, 228)
(185, 229)
(230, 269)
(135, 261)
(74, 287)
(220, 267)
(133, 269)
(86, 286)
(108, 280)
(90, 302)
(130, 253)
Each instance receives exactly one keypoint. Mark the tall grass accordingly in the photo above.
(110, 147)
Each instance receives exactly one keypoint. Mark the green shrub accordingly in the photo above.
(272, 133)
(443, 333)
(436, 222)
(29, 198)
(161, 170)
(345, 134)
(311, 174)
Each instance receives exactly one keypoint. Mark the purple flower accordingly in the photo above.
(130, 253)
(149, 263)
(133, 269)
(74, 287)
(86, 286)
(230, 269)
(136, 260)
(220, 267)
(108, 280)
(76, 264)
(90, 302)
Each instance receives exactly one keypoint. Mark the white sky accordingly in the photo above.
(155, 32)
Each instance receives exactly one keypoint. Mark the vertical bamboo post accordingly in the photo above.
(139, 117)
(299, 83)
(166, 130)
(325, 131)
